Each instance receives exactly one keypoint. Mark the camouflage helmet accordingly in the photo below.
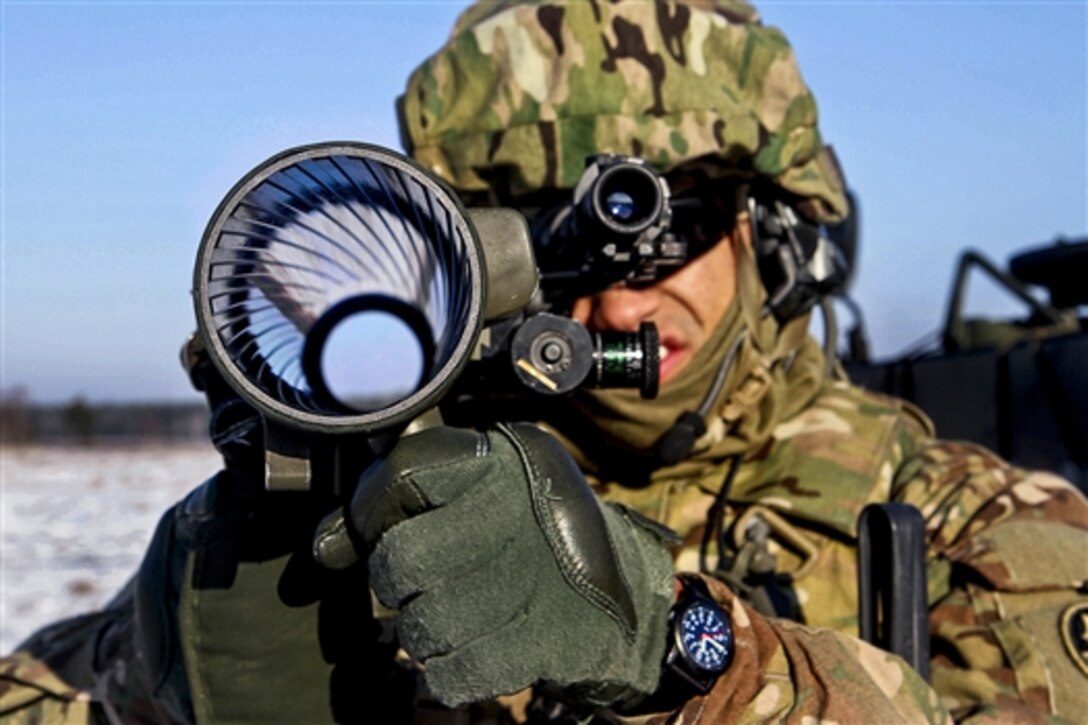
(523, 92)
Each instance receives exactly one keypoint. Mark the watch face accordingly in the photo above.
(706, 639)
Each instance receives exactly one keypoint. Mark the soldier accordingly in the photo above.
(567, 598)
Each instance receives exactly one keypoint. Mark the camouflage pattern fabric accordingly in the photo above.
(1005, 563)
(30, 692)
(801, 674)
(523, 92)
(1004, 569)
(517, 99)
(1010, 556)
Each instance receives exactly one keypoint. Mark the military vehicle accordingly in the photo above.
(1016, 386)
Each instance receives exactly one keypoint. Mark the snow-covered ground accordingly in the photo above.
(74, 523)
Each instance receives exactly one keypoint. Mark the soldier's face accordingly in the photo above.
(686, 306)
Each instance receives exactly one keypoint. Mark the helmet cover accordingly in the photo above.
(524, 91)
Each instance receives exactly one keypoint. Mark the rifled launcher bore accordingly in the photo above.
(340, 288)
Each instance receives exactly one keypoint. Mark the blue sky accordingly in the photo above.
(123, 124)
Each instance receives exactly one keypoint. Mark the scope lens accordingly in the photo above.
(620, 206)
(628, 198)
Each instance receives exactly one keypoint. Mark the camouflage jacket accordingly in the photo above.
(1006, 564)
(1006, 570)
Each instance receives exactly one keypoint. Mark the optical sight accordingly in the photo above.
(616, 227)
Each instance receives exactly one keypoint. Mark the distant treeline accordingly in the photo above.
(84, 423)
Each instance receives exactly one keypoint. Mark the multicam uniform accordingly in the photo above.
(511, 106)
(1005, 565)
(1006, 588)
(515, 102)
(1006, 574)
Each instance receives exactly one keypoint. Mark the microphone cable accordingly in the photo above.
(676, 443)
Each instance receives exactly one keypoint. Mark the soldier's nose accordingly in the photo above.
(620, 308)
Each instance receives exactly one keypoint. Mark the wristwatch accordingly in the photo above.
(700, 641)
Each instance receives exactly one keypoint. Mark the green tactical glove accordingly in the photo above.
(507, 571)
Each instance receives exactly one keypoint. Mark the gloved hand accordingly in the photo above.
(507, 570)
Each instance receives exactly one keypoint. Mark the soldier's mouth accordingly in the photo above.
(673, 357)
